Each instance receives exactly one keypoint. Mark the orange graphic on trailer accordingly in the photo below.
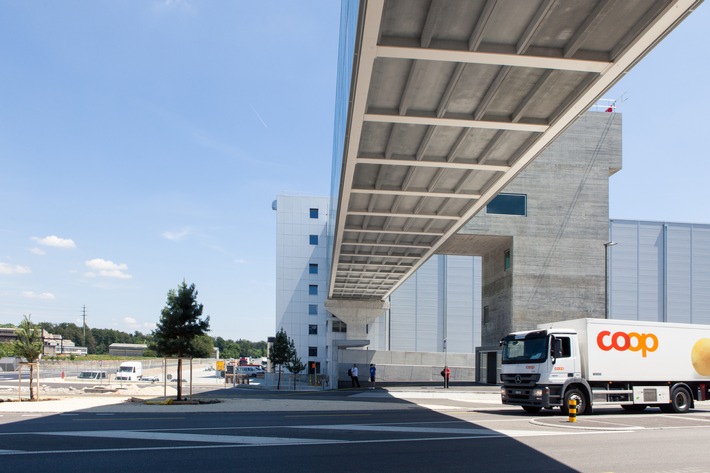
(632, 341)
(700, 356)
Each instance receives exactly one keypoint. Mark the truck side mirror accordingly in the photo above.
(554, 349)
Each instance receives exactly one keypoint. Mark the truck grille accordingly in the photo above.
(524, 379)
(518, 386)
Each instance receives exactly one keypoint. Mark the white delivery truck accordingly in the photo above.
(129, 371)
(600, 362)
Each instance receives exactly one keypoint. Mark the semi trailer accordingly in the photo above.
(598, 362)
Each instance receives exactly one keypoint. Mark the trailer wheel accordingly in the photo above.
(577, 395)
(532, 409)
(680, 401)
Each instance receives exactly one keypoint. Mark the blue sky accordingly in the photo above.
(142, 143)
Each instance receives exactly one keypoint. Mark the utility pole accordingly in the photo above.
(83, 316)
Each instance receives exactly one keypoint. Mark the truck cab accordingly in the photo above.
(542, 369)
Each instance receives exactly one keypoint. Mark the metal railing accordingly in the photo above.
(604, 105)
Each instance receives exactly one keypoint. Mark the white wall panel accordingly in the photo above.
(623, 271)
(701, 274)
(678, 284)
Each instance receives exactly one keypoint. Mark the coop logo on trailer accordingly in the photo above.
(632, 341)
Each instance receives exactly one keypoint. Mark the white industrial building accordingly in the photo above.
(470, 187)
(441, 301)
(659, 271)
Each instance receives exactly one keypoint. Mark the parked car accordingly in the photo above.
(250, 371)
(98, 374)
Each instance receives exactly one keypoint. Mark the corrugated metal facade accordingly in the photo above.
(659, 271)
(441, 300)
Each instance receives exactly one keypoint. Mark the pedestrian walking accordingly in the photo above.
(373, 372)
(356, 381)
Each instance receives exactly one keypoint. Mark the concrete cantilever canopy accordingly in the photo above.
(450, 99)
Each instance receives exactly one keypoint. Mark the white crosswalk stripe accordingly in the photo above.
(182, 437)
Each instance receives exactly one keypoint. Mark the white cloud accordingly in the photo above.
(130, 321)
(55, 241)
(108, 269)
(38, 251)
(35, 295)
(177, 236)
(6, 269)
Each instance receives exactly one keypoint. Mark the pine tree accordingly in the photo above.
(280, 353)
(294, 363)
(179, 325)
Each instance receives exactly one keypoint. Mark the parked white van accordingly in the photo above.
(129, 371)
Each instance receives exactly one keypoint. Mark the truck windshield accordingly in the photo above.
(125, 369)
(530, 348)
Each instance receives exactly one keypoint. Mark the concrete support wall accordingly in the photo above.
(405, 367)
(557, 250)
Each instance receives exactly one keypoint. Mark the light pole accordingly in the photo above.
(606, 277)
(445, 361)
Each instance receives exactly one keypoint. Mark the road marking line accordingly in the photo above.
(179, 437)
(329, 415)
(428, 430)
(126, 419)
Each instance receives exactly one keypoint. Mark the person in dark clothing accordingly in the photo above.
(355, 380)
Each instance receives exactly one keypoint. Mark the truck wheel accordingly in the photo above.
(680, 401)
(578, 396)
(532, 409)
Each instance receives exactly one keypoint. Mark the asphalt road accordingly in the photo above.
(394, 435)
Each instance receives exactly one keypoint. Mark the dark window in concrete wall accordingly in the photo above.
(339, 326)
(313, 239)
(508, 204)
(314, 213)
(312, 351)
(312, 309)
(313, 268)
(312, 329)
(313, 289)
(485, 315)
(506, 260)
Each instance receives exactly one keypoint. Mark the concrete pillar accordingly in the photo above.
(357, 314)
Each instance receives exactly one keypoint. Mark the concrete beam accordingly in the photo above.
(357, 314)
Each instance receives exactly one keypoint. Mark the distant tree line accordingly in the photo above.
(239, 348)
(99, 339)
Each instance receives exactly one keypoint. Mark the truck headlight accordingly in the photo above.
(537, 392)
(502, 392)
